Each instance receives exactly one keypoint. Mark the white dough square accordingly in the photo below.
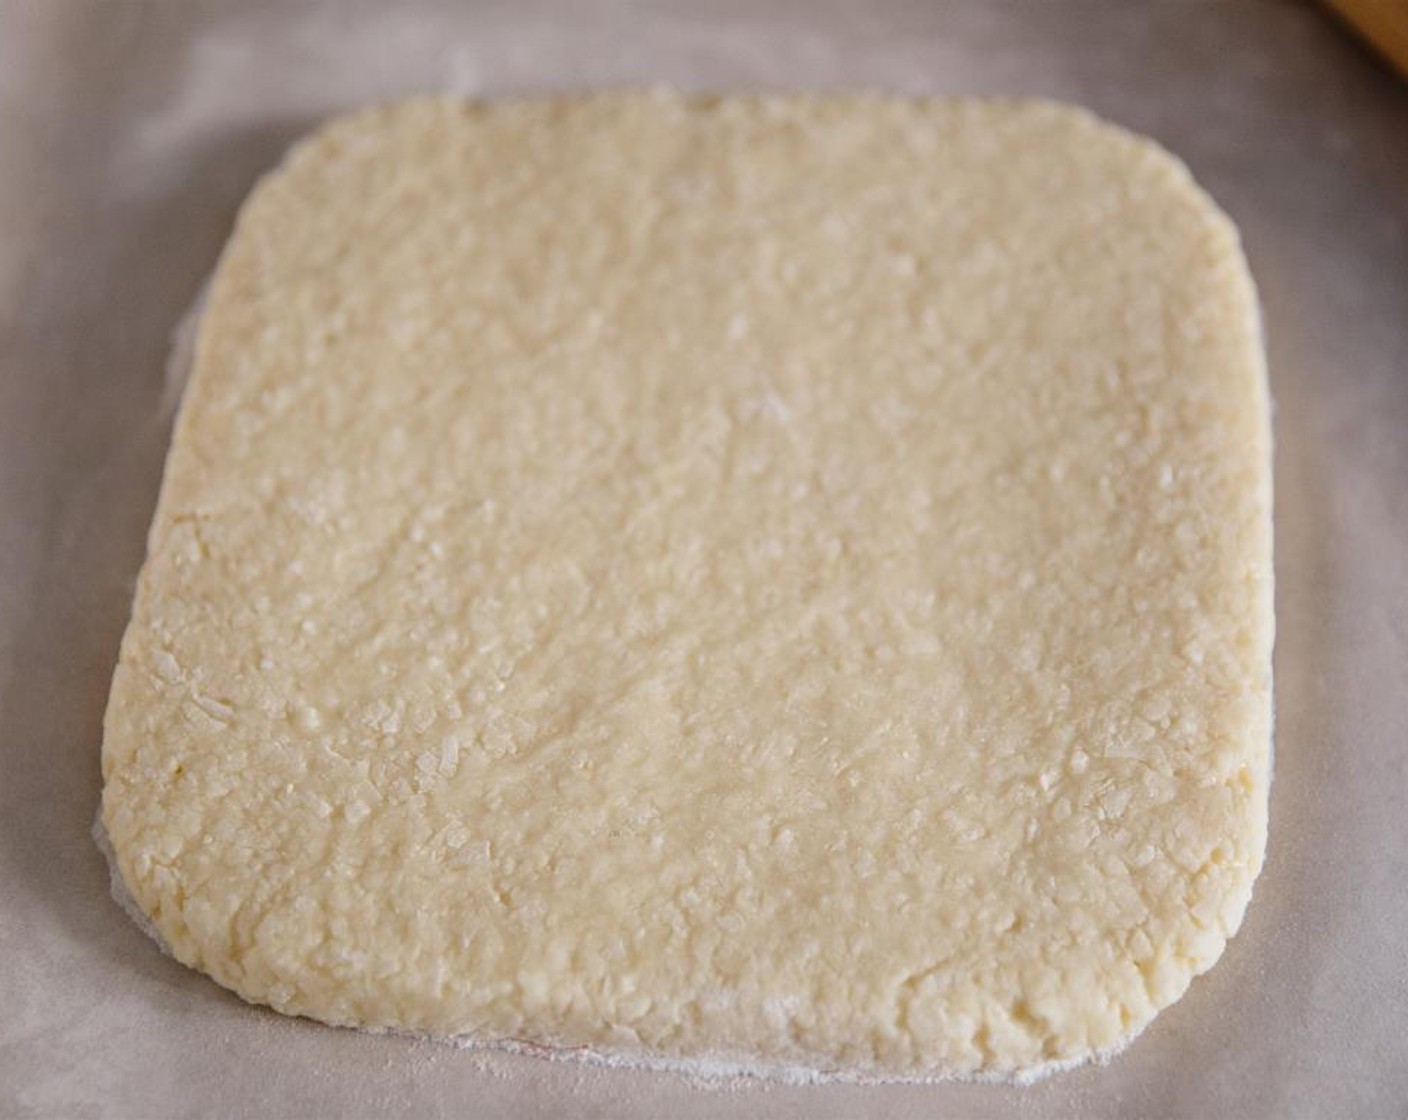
(772, 580)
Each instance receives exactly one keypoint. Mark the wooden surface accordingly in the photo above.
(1384, 23)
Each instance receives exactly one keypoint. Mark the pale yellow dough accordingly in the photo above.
(781, 580)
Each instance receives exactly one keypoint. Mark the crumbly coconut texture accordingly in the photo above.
(779, 578)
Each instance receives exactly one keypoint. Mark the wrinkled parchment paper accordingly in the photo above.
(130, 132)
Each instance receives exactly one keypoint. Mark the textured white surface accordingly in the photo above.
(768, 580)
(711, 1074)
(129, 137)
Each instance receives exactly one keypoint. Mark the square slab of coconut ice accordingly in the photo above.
(775, 583)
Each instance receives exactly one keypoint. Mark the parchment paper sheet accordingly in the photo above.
(128, 135)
